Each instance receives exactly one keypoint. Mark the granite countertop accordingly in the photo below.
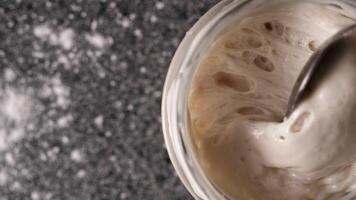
(80, 94)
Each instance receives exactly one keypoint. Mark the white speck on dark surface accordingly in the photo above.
(159, 5)
(143, 70)
(43, 31)
(9, 74)
(65, 140)
(81, 174)
(125, 22)
(153, 19)
(138, 33)
(80, 96)
(9, 158)
(35, 195)
(94, 25)
(108, 134)
(64, 121)
(98, 40)
(66, 38)
(3, 178)
(15, 111)
(62, 38)
(99, 121)
(76, 155)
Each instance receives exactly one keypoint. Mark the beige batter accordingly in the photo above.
(239, 95)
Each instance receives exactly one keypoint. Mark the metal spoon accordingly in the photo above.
(330, 50)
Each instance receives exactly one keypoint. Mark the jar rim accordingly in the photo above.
(174, 101)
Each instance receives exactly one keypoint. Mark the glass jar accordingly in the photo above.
(175, 116)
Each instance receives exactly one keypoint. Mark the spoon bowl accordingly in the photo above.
(331, 49)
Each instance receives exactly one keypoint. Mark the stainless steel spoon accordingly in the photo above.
(330, 50)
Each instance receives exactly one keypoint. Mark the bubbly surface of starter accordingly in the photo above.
(240, 92)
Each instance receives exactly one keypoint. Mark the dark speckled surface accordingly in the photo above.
(80, 92)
